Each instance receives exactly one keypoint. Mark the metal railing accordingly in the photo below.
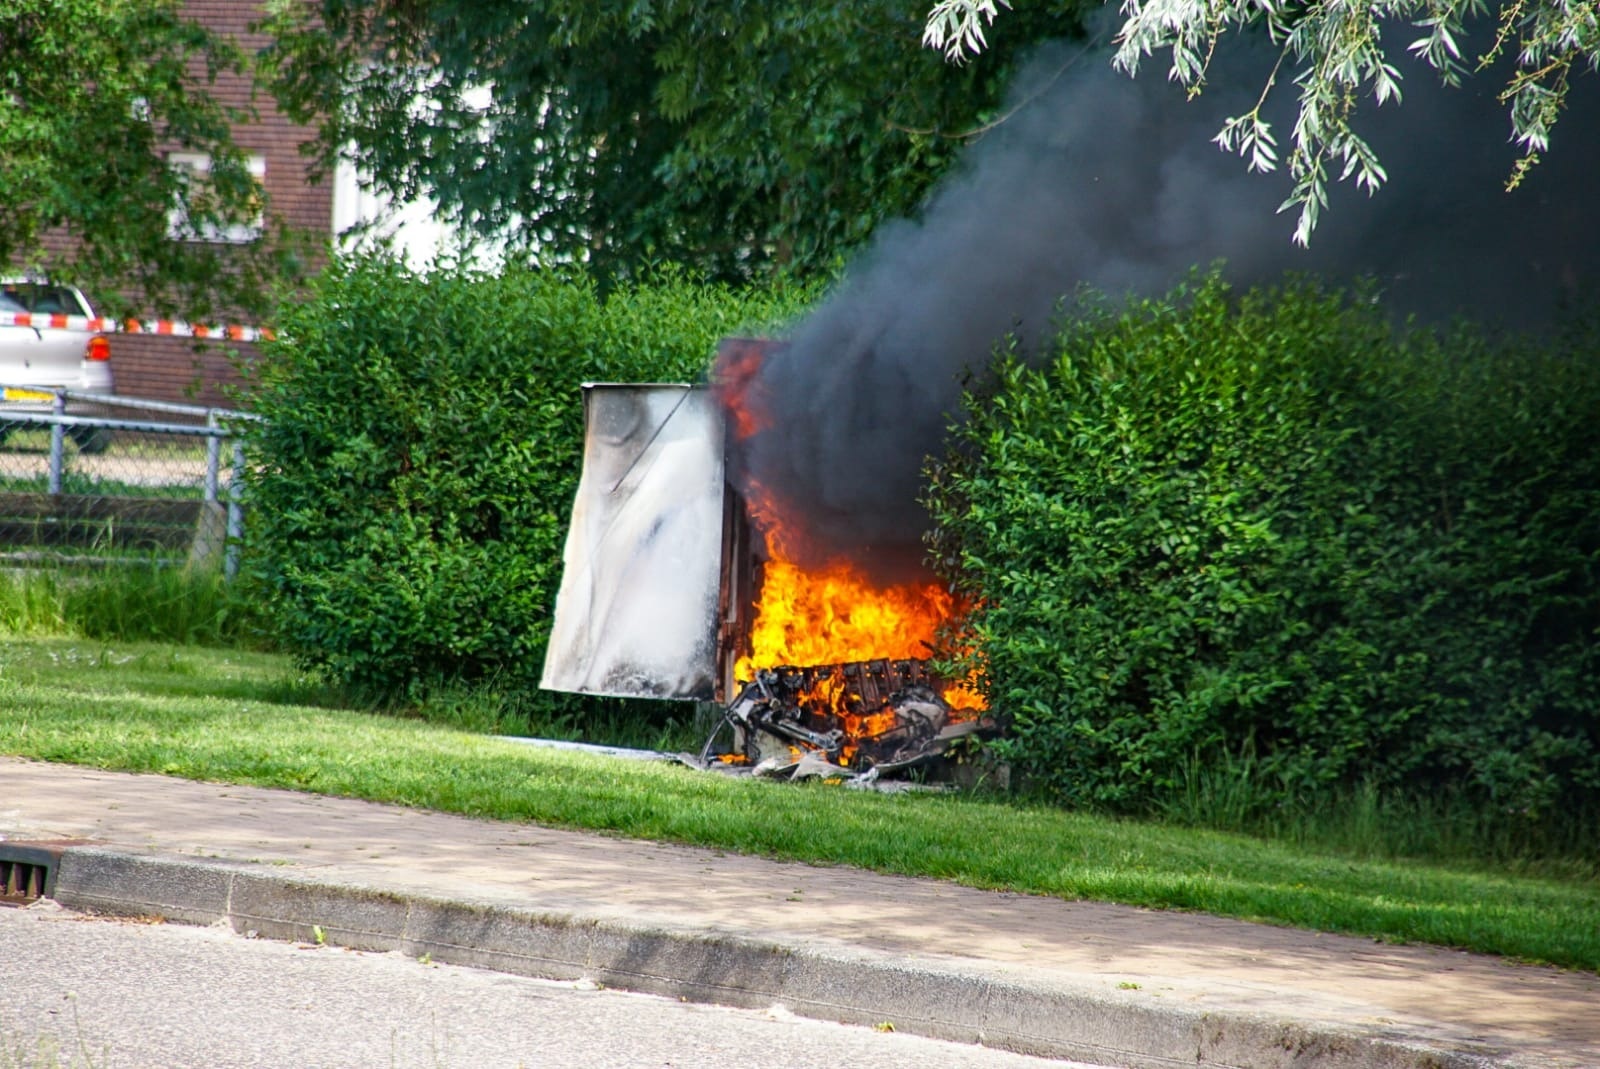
(128, 490)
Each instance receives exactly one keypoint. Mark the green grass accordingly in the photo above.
(125, 448)
(139, 445)
(40, 1052)
(47, 1051)
(136, 602)
(243, 717)
(1363, 821)
(96, 486)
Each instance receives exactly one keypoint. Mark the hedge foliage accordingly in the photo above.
(411, 480)
(1270, 527)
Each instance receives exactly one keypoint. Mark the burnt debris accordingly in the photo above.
(865, 718)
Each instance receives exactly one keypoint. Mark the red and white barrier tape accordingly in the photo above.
(176, 328)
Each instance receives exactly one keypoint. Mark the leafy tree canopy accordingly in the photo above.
(1336, 55)
(735, 136)
(95, 93)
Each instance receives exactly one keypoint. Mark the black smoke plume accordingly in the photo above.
(1113, 182)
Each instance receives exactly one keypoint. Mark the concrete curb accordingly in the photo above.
(941, 998)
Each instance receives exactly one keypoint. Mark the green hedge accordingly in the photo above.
(422, 435)
(1269, 527)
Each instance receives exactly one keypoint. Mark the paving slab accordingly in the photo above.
(1116, 985)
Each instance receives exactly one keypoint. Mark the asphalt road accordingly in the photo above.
(85, 991)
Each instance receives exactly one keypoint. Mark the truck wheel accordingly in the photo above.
(91, 440)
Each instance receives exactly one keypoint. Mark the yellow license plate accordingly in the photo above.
(16, 393)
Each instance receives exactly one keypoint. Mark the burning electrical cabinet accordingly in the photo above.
(663, 589)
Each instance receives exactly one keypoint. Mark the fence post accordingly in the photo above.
(230, 565)
(213, 458)
(58, 435)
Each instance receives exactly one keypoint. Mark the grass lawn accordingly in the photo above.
(241, 717)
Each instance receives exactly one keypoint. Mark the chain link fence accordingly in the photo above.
(91, 479)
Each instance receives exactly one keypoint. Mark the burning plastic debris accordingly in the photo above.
(860, 719)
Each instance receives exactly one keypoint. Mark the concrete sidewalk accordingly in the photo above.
(1108, 984)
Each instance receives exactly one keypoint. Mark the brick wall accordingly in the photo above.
(177, 369)
(273, 136)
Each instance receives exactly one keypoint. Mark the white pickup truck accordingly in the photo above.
(50, 348)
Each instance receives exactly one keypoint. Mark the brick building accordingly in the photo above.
(181, 369)
(175, 369)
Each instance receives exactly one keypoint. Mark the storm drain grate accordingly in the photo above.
(28, 871)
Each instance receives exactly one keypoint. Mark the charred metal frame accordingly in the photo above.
(741, 584)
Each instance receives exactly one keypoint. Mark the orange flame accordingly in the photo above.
(834, 615)
(831, 614)
(734, 378)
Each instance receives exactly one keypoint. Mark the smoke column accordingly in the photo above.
(1113, 182)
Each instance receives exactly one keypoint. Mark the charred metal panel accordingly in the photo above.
(641, 601)
(740, 588)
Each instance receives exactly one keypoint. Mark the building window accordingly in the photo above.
(194, 169)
